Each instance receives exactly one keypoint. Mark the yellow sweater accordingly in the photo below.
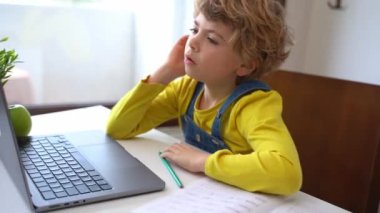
(263, 156)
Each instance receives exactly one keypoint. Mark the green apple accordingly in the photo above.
(21, 119)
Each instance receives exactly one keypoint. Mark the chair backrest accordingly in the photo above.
(336, 127)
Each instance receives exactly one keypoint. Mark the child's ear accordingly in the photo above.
(246, 69)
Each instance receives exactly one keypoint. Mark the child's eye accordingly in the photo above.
(212, 40)
(193, 30)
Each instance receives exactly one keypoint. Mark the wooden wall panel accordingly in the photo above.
(336, 127)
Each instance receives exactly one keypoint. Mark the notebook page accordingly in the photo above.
(207, 195)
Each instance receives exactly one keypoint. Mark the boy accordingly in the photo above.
(232, 122)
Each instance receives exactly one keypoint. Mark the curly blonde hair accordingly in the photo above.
(260, 32)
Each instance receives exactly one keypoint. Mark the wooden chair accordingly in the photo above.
(336, 127)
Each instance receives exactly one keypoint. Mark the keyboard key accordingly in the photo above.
(65, 180)
(83, 174)
(94, 188)
(57, 158)
(51, 180)
(27, 163)
(48, 195)
(45, 172)
(67, 185)
(55, 155)
(73, 178)
(42, 167)
(72, 162)
(76, 166)
(35, 175)
(101, 182)
(93, 173)
(82, 188)
(53, 168)
(105, 187)
(90, 183)
(72, 191)
(36, 160)
(39, 179)
(98, 177)
(46, 176)
(78, 170)
(63, 152)
(30, 167)
(49, 160)
(60, 176)
(44, 188)
(70, 174)
(39, 164)
(77, 182)
(45, 157)
(57, 172)
(67, 170)
(59, 162)
(41, 184)
(54, 185)
(61, 194)
(42, 152)
(30, 171)
(88, 178)
(57, 189)
(64, 166)
(50, 164)
(68, 157)
(24, 159)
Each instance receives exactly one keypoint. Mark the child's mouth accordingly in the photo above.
(188, 60)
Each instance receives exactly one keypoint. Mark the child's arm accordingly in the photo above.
(272, 164)
(264, 158)
(140, 109)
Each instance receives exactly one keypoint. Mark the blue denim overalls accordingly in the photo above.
(200, 138)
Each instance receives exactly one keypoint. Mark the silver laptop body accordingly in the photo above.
(99, 157)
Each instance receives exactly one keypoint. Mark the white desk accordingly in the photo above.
(145, 148)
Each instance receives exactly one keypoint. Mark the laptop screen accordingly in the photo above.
(9, 149)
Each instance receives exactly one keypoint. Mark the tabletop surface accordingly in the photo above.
(144, 147)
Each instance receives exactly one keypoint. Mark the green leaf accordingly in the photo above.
(4, 39)
(8, 59)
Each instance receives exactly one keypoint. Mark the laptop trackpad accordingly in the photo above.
(108, 156)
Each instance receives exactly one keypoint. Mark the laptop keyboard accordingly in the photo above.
(58, 169)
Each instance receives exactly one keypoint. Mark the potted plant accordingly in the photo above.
(20, 116)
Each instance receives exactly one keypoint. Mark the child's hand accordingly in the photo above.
(174, 66)
(186, 156)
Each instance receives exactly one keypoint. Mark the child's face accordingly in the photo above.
(209, 57)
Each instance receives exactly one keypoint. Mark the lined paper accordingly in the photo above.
(207, 195)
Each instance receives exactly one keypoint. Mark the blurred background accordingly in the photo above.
(93, 51)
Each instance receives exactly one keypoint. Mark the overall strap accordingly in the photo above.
(240, 91)
(190, 108)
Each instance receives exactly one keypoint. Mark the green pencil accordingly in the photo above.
(171, 171)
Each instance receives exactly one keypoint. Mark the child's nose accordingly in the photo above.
(193, 43)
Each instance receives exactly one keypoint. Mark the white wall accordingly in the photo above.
(341, 44)
(88, 53)
(92, 51)
(74, 54)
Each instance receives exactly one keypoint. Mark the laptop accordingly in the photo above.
(60, 171)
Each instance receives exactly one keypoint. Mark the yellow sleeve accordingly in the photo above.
(270, 164)
(141, 109)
